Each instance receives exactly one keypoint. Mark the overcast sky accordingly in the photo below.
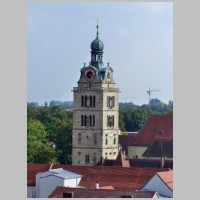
(138, 44)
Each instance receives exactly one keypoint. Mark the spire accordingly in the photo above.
(97, 26)
(97, 50)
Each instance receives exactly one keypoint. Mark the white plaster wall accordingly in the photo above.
(48, 184)
(30, 191)
(136, 150)
(71, 182)
(156, 184)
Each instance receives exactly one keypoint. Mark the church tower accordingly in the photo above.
(95, 114)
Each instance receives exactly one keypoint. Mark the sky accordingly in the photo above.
(138, 44)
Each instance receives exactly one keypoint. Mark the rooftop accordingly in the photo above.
(129, 178)
(60, 172)
(99, 193)
(167, 177)
(158, 127)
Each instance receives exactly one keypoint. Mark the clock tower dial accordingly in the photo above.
(90, 74)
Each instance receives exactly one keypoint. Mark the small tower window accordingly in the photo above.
(110, 120)
(87, 158)
(110, 101)
(93, 120)
(114, 141)
(82, 101)
(94, 99)
(106, 141)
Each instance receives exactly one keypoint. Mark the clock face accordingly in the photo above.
(90, 75)
(108, 75)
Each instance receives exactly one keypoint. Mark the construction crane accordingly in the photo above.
(149, 93)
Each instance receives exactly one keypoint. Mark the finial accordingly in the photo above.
(108, 64)
(97, 26)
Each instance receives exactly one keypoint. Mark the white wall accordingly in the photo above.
(31, 191)
(71, 182)
(156, 184)
(48, 184)
(136, 150)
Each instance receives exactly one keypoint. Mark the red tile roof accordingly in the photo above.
(160, 148)
(109, 187)
(157, 127)
(118, 177)
(126, 140)
(167, 177)
(100, 193)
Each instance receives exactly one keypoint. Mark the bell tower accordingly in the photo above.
(95, 114)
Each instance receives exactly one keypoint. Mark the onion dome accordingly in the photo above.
(97, 44)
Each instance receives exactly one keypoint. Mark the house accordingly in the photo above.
(154, 140)
(152, 146)
(162, 182)
(116, 177)
(46, 182)
(63, 192)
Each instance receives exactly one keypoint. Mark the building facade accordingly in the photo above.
(95, 114)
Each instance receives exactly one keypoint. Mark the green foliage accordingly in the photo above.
(46, 154)
(47, 125)
(121, 122)
(134, 119)
(36, 135)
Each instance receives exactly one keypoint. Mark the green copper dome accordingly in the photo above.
(97, 44)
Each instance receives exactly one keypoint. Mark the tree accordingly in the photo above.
(64, 142)
(121, 122)
(46, 154)
(36, 136)
(134, 119)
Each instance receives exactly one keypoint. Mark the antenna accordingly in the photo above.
(149, 93)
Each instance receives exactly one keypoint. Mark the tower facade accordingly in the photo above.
(96, 113)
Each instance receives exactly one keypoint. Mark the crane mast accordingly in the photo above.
(149, 93)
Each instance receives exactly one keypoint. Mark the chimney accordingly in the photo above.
(97, 185)
(68, 195)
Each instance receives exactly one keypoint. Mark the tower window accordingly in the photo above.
(90, 120)
(87, 158)
(82, 120)
(94, 99)
(93, 120)
(82, 101)
(110, 101)
(114, 141)
(106, 142)
(91, 101)
(87, 120)
(110, 120)
(88, 101)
